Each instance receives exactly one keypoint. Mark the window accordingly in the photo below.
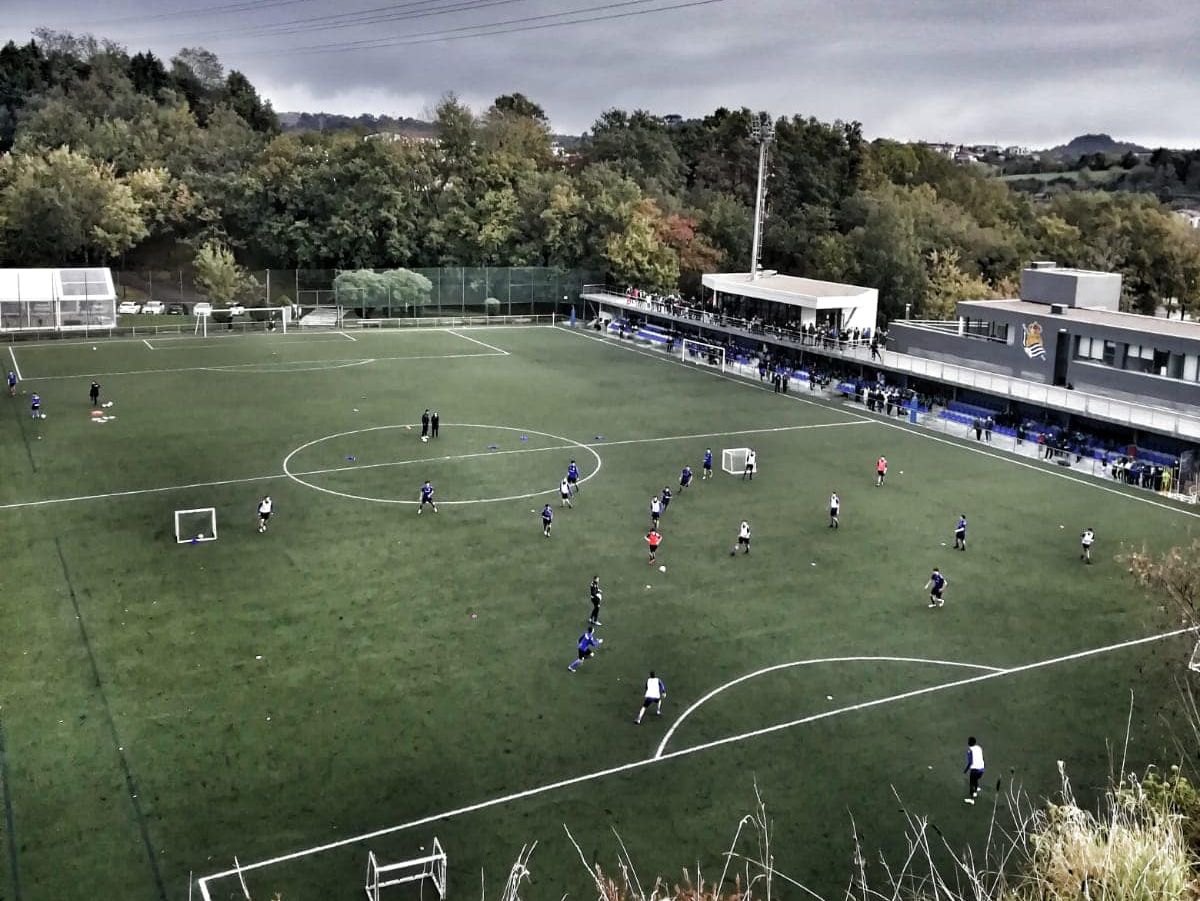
(1109, 355)
(1139, 358)
(1091, 349)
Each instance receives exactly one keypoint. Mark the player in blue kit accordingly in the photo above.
(12, 383)
(707, 474)
(685, 477)
(547, 520)
(936, 585)
(588, 645)
(35, 406)
(573, 476)
(666, 497)
(960, 533)
(426, 498)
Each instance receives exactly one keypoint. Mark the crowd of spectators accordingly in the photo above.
(731, 313)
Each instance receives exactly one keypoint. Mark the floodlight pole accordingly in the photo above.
(762, 132)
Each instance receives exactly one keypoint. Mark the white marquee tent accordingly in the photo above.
(58, 299)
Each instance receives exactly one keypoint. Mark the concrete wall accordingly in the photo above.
(1011, 359)
(1096, 379)
(989, 356)
(1101, 290)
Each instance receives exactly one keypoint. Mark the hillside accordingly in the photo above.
(1097, 143)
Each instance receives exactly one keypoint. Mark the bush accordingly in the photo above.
(491, 307)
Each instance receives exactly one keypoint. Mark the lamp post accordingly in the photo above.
(762, 132)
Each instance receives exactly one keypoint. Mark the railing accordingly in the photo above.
(450, 321)
(1127, 413)
(702, 316)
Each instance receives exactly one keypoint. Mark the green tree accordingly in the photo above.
(638, 145)
(61, 208)
(362, 289)
(218, 274)
(519, 105)
(407, 287)
(948, 285)
(638, 256)
(244, 100)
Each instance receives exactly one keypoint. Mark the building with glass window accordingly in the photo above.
(56, 299)
(1066, 330)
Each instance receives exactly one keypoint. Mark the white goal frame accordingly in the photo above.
(431, 866)
(702, 351)
(188, 539)
(733, 460)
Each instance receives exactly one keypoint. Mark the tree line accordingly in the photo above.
(134, 161)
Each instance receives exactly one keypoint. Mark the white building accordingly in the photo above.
(807, 301)
(58, 299)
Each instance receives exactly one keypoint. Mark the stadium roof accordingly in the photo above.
(789, 289)
(33, 285)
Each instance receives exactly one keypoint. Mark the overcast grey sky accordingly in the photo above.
(1004, 71)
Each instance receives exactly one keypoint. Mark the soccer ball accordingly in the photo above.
(662, 569)
(43, 415)
(424, 438)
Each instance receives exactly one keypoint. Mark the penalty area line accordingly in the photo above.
(16, 366)
(694, 749)
(146, 341)
(477, 341)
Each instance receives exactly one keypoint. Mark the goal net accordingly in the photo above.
(733, 460)
(430, 867)
(702, 353)
(195, 525)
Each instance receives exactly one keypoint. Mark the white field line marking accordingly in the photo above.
(16, 366)
(146, 341)
(662, 745)
(461, 425)
(1090, 483)
(238, 368)
(637, 764)
(476, 341)
(316, 472)
(348, 337)
(203, 344)
(241, 367)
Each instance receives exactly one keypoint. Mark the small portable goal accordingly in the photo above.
(733, 460)
(196, 525)
(418, 869)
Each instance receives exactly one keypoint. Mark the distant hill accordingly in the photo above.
(1098, 143)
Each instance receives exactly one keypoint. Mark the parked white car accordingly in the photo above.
(128, 306)
(204, 308)
(237, 309)
(153, 306)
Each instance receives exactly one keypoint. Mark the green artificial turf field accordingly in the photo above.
(169, 706)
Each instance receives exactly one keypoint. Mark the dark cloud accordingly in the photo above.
(998, 72)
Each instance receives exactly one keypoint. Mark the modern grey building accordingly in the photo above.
(1066, 330)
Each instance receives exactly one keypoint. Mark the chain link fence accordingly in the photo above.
(372, 293)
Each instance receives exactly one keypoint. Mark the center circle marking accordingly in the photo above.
(287, 471)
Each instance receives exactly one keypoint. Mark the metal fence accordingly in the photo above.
(507, 291)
